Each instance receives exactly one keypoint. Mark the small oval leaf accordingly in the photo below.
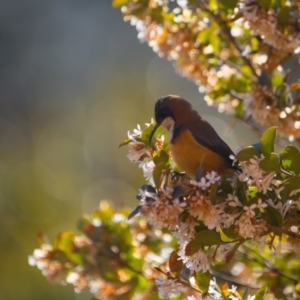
(203, 280)
(247, 153)
(291, 159)
(203, 238)
(267, 140)
(161, 157)
(270, 163)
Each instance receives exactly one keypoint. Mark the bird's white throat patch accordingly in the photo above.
(169, 124)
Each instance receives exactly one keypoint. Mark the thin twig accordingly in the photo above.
(265, 263)
(233, 280)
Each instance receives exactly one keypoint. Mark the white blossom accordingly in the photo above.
(169, 287)
(137, 150)
(196, 262)
(213, 290)
(212, 177)
(147, 167)
(249, 210)
(233, 201)
(246, 228)
(261, 206)
(202, 209)
(203, 184)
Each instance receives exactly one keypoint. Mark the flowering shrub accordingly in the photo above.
(219, 237)
(243, 54)
(189, 237)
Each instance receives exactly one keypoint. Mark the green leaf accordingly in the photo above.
(247, 153)
(270, 163)
(65, 243)
(254, 42)
(125, 142)
(290, 159)
(213, 5)
(267, 140)
(277, 79)
(253, 191)
(161, 157)
(203, 238)
(204, 35)
(273, 216)
(260, 294)
(230, 233)
(157, 171)
(224, 237)
(241, 192)
(64, 240)
(146, 133)
(118, 3)
(215, 42)
(291, 186)
(203, 280)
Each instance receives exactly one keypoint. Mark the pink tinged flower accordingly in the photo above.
(294, 229)
(197, 262)
(233, 201)
(249, 210)
(191, 298)
(261, 206)
(147, 167)
(179, 205)
(202, 209)
(169, 287)
(229, 219)
(253, 169)
(136, 133)
(203, 184)
(185, 231)
(266, 182)
(214, 290)
(212, 177)
(246, 228)
(137, 150)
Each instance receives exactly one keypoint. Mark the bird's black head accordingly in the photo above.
(169, 110)
(171, 106)
(163, 109)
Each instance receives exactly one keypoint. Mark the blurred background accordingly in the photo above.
(73, 80)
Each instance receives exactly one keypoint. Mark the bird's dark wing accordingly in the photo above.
(206, 136)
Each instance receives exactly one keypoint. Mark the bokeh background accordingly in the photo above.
(73, 80)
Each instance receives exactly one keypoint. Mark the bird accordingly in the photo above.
(195, 146)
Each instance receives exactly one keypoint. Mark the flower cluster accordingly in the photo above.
(213, 217)
(235, 51)
(265, 23)
(188, 231)
(106, 258)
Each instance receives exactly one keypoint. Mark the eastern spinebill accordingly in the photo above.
(195, 146)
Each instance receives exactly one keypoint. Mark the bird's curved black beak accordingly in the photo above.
(152, 132)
